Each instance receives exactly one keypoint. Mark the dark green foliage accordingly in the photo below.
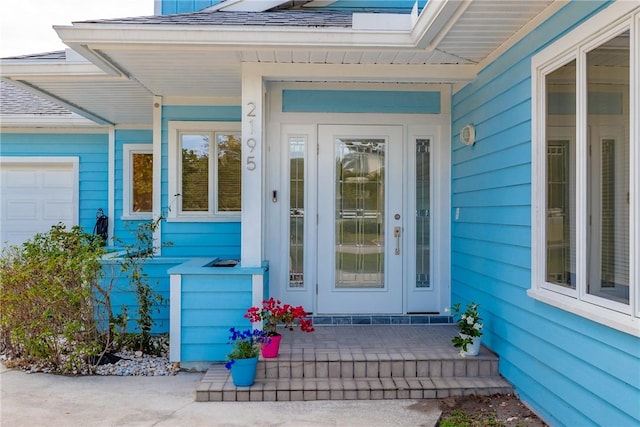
(46, 299)
(56, 312)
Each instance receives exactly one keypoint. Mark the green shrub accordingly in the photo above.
(56, 312)
(46, 302)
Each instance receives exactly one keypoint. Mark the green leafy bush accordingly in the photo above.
(46, 302)
(56, 311)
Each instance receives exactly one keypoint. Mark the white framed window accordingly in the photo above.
(200, 188)
(137, 181)
(585, 180)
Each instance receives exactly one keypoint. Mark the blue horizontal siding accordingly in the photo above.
(214, 301)
(170, 7)
(508, 195)
(206, 317)
(210, 305)
(202, 352)
(91, 149)
(360, 101)
(184, 6)
(518, 256)
(404, 6)
(514, 175)
(214, 284)
(569, 369)
(510, 215)
(124, 294)
(496, 233)
(505, 159)
(474, 267)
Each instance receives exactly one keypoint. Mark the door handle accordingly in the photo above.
(396, 233)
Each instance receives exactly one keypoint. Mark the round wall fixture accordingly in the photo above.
(468, 135)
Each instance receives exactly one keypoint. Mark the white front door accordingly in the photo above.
(353, 212)
(360, 219)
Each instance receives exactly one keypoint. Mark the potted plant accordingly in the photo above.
(243, 359)
(469, 329)
(273, 313)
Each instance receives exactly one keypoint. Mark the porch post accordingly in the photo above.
(252, 168)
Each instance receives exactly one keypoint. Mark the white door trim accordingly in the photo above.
(437, 126)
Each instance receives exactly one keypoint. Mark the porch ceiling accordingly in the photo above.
(132, 61)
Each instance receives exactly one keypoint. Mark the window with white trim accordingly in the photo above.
(204, 171)
(137, 181)
(585, 163)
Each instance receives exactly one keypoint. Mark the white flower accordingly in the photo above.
(477, 326)
(470, 320)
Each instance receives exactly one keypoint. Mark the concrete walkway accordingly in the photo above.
(42, 399)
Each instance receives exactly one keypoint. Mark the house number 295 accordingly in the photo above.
(251, 142)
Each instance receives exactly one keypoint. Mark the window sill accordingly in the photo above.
(234, 218)
(142, 217)
(613, 319)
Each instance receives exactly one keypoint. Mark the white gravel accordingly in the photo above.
(136, 363)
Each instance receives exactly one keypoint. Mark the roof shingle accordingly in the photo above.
(291, 18)
(16, 101)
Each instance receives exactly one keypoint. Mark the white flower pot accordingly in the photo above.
(472, 349)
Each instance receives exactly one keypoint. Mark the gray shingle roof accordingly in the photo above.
(16, 101)
(292, 18)
(58, 55)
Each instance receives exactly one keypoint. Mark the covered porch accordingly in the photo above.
(363, 362)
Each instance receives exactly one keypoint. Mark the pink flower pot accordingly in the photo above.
(271, 349)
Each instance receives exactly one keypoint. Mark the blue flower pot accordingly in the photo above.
(243, 371)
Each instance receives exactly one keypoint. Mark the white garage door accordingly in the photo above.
(36, 194)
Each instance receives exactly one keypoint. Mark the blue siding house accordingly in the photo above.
(359, 158)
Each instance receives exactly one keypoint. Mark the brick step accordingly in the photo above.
(363, 362)
(217, 386)
(325, 365)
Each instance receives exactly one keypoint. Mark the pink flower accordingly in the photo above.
(274, 313)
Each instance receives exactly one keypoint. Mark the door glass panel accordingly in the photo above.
(423, 197)
(360, 196)
(609, 168)
(296, 212)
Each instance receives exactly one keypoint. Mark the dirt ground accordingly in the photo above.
(498, 410)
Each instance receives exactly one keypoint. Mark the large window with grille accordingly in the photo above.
(584, 186)
(204, 170)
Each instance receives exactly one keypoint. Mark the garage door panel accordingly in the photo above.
(59, 210)
(57, 179)
(20, 179)
(21, 209)
(36, 196)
